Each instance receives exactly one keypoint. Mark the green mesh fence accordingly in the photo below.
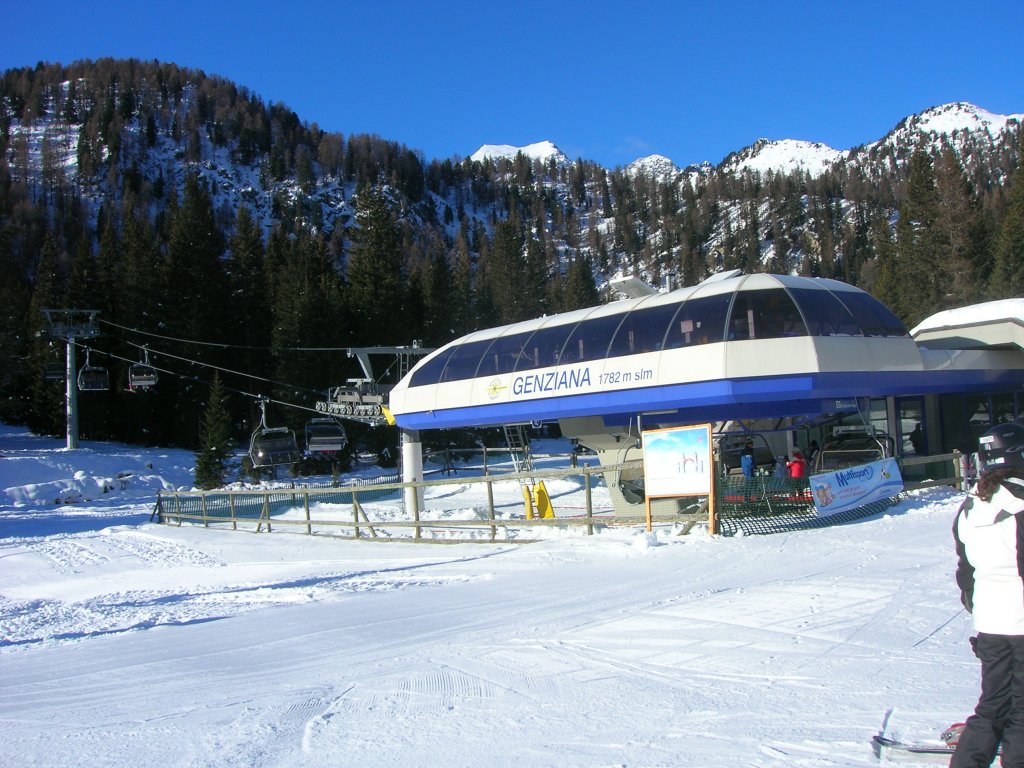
(217, 507)
(762, 504)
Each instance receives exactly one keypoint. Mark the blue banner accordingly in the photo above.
(854, 487)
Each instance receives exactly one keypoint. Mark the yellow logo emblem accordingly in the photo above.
(494, 389)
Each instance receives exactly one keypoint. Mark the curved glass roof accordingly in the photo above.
(747, 307)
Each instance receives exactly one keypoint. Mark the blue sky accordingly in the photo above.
(605, 81)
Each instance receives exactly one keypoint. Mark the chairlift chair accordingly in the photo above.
(272, 446)
(92, 378)
(142, 375)
(54, 372)
(325, 435)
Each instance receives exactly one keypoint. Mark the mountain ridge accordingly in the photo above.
(787, 155)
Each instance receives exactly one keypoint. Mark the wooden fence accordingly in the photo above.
(347, 511)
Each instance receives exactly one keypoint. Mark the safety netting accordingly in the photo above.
(766, 504)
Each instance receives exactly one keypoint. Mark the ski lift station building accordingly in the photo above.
(761, 352)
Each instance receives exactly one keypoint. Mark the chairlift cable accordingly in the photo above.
(220, 345)
(226, 370)
(187, 377)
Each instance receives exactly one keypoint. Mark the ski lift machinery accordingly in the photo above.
(272, 446)
(364, 399)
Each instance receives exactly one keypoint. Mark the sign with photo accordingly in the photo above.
(854, 487)
(677, 461)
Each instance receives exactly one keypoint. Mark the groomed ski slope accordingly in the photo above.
(123, 643)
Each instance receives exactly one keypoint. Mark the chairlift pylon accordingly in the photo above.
(325, 434)
(92, 378)
(272, 446)
(142, 375)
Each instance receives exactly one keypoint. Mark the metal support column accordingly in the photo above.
(412, 469)
(71, 397)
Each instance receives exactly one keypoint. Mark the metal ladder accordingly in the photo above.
(519, 448)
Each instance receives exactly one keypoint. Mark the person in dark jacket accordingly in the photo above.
(989, 537)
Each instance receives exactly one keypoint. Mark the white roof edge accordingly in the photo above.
(1001, 310)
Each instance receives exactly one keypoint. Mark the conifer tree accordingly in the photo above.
(376, 273)
(140, 254)
(462, 288)
(882, 280)
(109, 264)
(14, 338)
(214, 439)
(195, 276)
(305, 314)
(580, 291)
(45, 413)
(966, 264)
(194, 300)
(1008, 269)
(535, 276)
(920, 244)
(438, 295)
(248, 284)
(504, 269)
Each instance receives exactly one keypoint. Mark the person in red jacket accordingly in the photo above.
(797, 465)
(989, 538)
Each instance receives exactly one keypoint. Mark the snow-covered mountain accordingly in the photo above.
(541, 150)
(658, 167)
(783, 156)
(971, 131)
(956, 123)
(949, 121)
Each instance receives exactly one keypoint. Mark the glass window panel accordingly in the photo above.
(505, 354)
(589, 340)
(765, 314)
(430, 372)
(825, 314)
(544, 347)
(464, 362)
(874, 318)
(642, 330)
(700, 321)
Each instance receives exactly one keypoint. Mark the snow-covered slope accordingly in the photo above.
(125, 643)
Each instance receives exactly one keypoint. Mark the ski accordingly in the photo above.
(917, 747)
(945, 745)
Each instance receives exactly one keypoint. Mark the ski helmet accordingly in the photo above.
(1002, 447)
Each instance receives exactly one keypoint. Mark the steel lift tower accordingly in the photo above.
(70, 325)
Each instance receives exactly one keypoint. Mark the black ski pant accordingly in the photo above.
(999, 716)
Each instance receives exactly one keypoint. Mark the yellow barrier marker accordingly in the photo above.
(528, 502)
(543, 501)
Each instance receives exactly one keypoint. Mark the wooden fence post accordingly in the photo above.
(590, 501)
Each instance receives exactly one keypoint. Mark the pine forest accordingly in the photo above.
(243, 250)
